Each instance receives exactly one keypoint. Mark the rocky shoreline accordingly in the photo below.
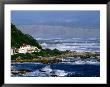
(54, 59)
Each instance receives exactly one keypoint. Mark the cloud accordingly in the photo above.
(47, 31)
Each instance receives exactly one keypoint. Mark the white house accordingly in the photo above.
(14, 51)
(28, 49)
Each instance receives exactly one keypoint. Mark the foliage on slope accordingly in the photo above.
(18, 38)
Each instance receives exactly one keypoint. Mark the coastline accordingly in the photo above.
(59, 58)
(70, 58)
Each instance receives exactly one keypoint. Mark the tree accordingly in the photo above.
(18, 38)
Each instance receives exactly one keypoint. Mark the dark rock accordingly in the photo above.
(21, 71)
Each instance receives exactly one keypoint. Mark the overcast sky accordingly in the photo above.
(56, 22)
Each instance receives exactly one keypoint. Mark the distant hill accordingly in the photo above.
(18, 38)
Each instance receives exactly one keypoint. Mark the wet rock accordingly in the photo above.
(21, 71)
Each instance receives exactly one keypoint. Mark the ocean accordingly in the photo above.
(73, 44)
(74, 68)
(69, 67)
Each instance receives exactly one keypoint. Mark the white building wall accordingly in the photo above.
(12, 52)
(28, 49)
(22, 50)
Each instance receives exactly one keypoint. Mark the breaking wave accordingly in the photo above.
(73, 44)
(69, 67)
(79, 61)
(46, 72)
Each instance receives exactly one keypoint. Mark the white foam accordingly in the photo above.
(80, 61)
(59, 73)
(36, 73)
(46, 72)
(44, 44)
(73, 44)
(46, 69)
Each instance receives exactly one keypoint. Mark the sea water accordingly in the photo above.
(69, 67)
(73, 44)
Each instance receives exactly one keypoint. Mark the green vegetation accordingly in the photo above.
(48, 53)
(43, 53)
(43, 56)
(18, 38)
(22, 56)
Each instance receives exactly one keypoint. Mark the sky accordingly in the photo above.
(38, 23)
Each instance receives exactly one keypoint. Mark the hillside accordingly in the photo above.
(18, 38)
